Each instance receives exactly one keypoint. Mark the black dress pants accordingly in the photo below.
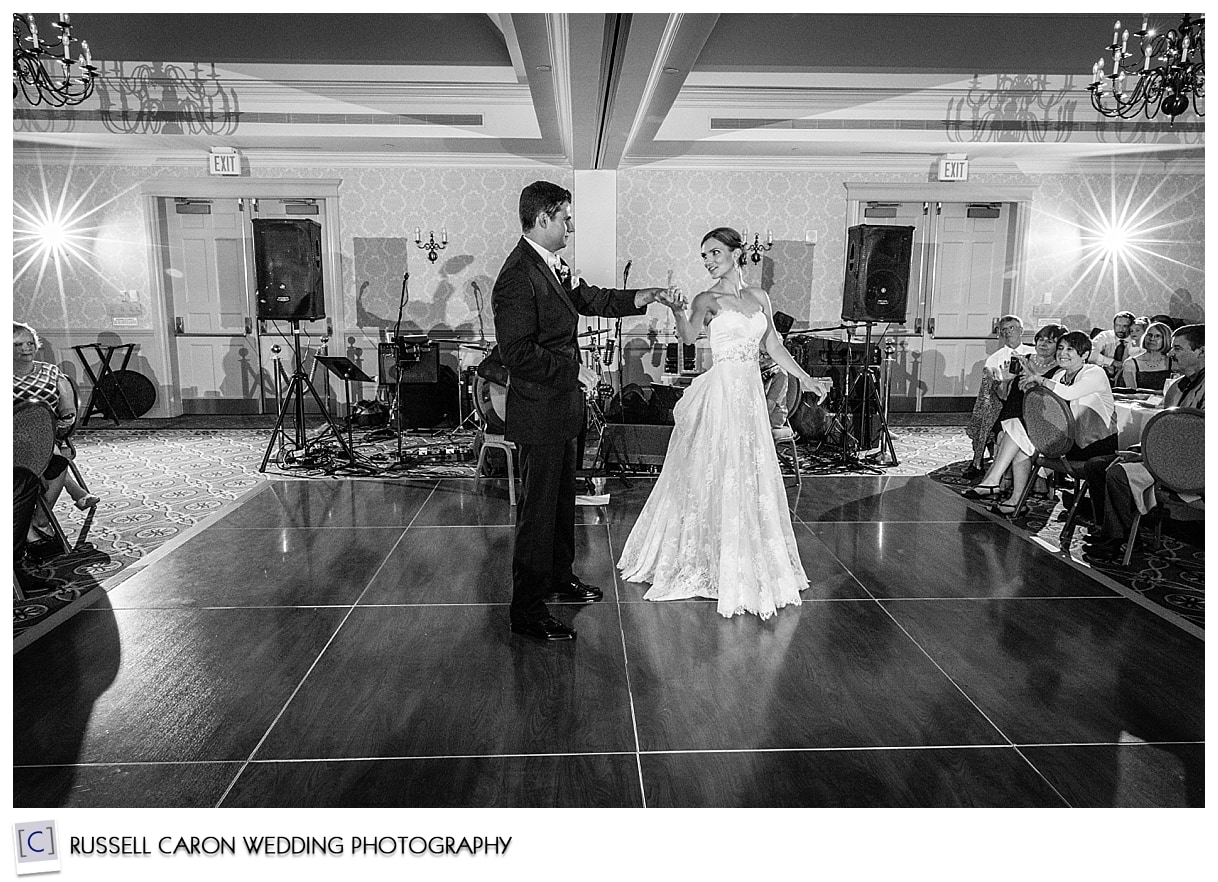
(545, 526)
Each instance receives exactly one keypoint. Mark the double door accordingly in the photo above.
(960, 283)
(224, 356)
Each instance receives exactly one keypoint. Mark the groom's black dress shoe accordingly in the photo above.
(548, 628)
(575, 591)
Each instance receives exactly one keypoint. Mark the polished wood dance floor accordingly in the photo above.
(345, 643)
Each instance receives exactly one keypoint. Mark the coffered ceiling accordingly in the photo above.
(604, 91)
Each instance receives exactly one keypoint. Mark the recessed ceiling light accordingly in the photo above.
(543, 67)
(672, 70)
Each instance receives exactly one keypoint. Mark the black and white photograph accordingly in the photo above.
(733, 410)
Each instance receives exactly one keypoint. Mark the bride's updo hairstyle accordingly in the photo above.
(728, 237)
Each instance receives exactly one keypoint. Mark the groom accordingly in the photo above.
(536, 307)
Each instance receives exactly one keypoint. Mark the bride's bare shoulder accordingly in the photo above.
(760, 295)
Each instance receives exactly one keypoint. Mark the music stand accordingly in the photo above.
(346, 370)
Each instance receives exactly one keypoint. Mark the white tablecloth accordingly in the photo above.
(1131, 419)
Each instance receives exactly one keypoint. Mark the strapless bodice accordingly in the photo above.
(735, 337)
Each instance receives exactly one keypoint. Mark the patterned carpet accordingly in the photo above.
(156, 484)
(1172, 576)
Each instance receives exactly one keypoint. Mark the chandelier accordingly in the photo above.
(1169, 69)
(45, 71)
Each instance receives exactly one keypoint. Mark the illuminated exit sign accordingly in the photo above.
(953, 167)
(224, 162)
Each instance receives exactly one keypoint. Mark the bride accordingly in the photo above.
(716, 523)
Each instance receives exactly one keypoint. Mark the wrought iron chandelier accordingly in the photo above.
(1167, 73)
(45, 71)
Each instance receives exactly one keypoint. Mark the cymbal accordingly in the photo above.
(478, 346)
(593, 333)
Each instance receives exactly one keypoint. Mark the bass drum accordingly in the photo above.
(811, 421)
(490, 400)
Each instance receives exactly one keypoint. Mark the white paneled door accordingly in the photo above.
(223, 353)
(958, 287)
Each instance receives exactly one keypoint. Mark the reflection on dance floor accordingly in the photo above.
(345, 643)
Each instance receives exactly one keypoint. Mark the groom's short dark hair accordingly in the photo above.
(540, 196)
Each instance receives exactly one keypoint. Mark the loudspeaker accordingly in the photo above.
(877, 273)
(627, 445)
(287, 264)
(427, 405)
(425, 370)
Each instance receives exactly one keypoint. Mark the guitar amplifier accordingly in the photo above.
(424, 370)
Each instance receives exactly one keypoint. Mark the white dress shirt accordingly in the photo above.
(1104, 345)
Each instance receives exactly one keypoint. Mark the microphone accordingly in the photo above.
(626, 272)
(609, 350)
(477, 290)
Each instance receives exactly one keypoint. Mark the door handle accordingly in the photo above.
(179, 325)
(930, 326)
(918, 325)
(249, 326)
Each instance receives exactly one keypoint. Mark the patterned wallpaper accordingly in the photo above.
(379, 210)
(662, 215)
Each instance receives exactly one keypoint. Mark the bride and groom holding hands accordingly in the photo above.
(718, 511)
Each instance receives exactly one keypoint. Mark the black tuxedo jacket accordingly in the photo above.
(536, 322)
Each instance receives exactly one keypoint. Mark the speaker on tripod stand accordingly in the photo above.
(288, 270)
(876, 290)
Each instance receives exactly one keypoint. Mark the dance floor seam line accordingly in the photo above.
(621, 626)
(321, 653)
(1023, 756)
(707, 600)
(868, 748)
(948, 676)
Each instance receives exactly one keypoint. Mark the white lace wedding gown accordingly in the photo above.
(716, 523)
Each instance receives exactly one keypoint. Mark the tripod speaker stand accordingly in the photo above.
(295, 398)
(862, 386)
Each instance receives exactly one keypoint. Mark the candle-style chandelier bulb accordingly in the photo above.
(1164, 75)
(45, 71)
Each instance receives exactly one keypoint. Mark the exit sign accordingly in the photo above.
(224, 162)
(953, 168)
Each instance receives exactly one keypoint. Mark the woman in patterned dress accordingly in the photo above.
(37, 382)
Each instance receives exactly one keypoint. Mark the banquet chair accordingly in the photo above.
(1050, 425)
(33, 447)
(80, 479)
(1173, 445)
(498, 442)
(785, 434)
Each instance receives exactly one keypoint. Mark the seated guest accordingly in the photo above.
(1151, 369)
(1014, 449)
(1086, 388)
(1109, 349)
(1137, 329)
(1188, 353)
(994, 372)
(37, 382)
(27, 487)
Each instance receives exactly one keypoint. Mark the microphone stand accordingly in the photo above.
(397, 363)
(617, 330)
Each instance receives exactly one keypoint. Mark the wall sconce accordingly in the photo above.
(755, 247)
(431, 246)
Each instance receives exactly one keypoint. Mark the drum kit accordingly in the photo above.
(490, 396)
